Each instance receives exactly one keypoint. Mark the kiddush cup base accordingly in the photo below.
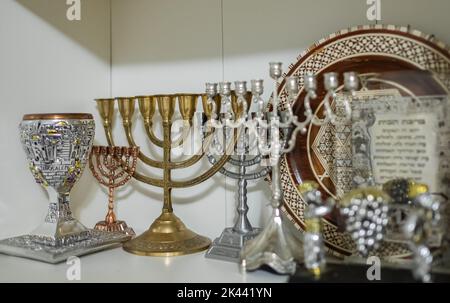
(118, 226)
(29, 246)
(62, 231)
(61, 241)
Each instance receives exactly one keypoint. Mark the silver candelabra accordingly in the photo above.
(277, 246)
(228, 246)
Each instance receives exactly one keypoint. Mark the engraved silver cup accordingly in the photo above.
(57, 147)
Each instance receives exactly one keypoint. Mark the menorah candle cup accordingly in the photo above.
(187, 103)
(207, 108)
(236, 107)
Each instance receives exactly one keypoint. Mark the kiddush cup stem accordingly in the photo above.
(59, 223)
(59, 208)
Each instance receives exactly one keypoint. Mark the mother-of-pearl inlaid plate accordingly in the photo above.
(404, 62)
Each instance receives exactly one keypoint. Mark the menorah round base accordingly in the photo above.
(118, 226)
(166, 237)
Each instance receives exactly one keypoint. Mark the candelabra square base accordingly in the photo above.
(228, 246)
(26, 246)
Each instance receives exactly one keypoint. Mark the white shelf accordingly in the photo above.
(117, 265)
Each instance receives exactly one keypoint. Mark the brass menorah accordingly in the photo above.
(113, 166)
(167, 236)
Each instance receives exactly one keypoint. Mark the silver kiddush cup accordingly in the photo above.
(57, 147)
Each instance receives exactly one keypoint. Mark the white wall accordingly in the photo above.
(48, 64)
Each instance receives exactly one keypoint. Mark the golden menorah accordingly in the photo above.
(167, 236)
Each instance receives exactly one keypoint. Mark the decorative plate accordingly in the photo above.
(404, 62)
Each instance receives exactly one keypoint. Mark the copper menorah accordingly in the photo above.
(167, 236)
(113, 167)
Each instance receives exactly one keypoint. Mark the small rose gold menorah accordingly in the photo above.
(113, 166)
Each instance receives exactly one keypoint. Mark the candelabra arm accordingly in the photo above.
(185, 133)
(213, 170)
(263, 147)
(209, 173)
(276, 185)
(136, 175)
(329, 115)
(262, 123)
(292, 119)
(289, 145)
(158, 142)
(108, 132)
(185, 163)
(250, 162)
(194, 159)
(151, 135)
(264, 150)
(127, 127)
(307, 103)
(237, 176)
(103, 173)
(231, 124)
(148, 180)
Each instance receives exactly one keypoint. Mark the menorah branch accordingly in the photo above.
(194, 159)
(151, 135)
(214, 169)
(245, 176)
(184, 135)
(147, 160)
(185, 163)
(250, 162)
(108, 134)
(158, 142)
(148, 180)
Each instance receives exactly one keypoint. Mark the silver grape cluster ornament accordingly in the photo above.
(365, 212)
